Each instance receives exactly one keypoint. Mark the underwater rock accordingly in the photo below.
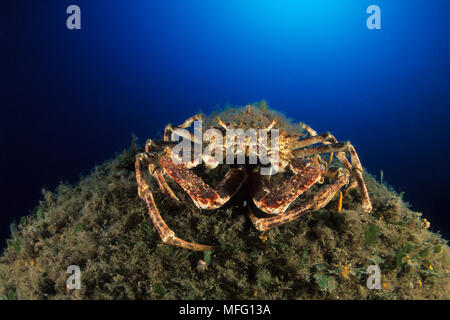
(101, 225)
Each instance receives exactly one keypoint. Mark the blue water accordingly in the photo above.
(71, 99)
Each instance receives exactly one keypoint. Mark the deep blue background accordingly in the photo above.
(71, 99)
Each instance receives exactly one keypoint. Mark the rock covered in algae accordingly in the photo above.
(101, 225)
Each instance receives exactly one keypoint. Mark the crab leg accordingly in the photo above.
(307, 172)
(321, 138)
(163, 184)
(325, 138)
(153, 168)
(202, 194)
(166, 234)
(158, 174)
(325, 148)
(321, 199)
(190, 121)
(158, 145)
(355, 167)
(357, 172)
(169, 129)
(308, 129)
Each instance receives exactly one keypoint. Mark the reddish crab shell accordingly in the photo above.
(297, 152)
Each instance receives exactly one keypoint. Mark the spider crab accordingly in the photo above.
(299, 153)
